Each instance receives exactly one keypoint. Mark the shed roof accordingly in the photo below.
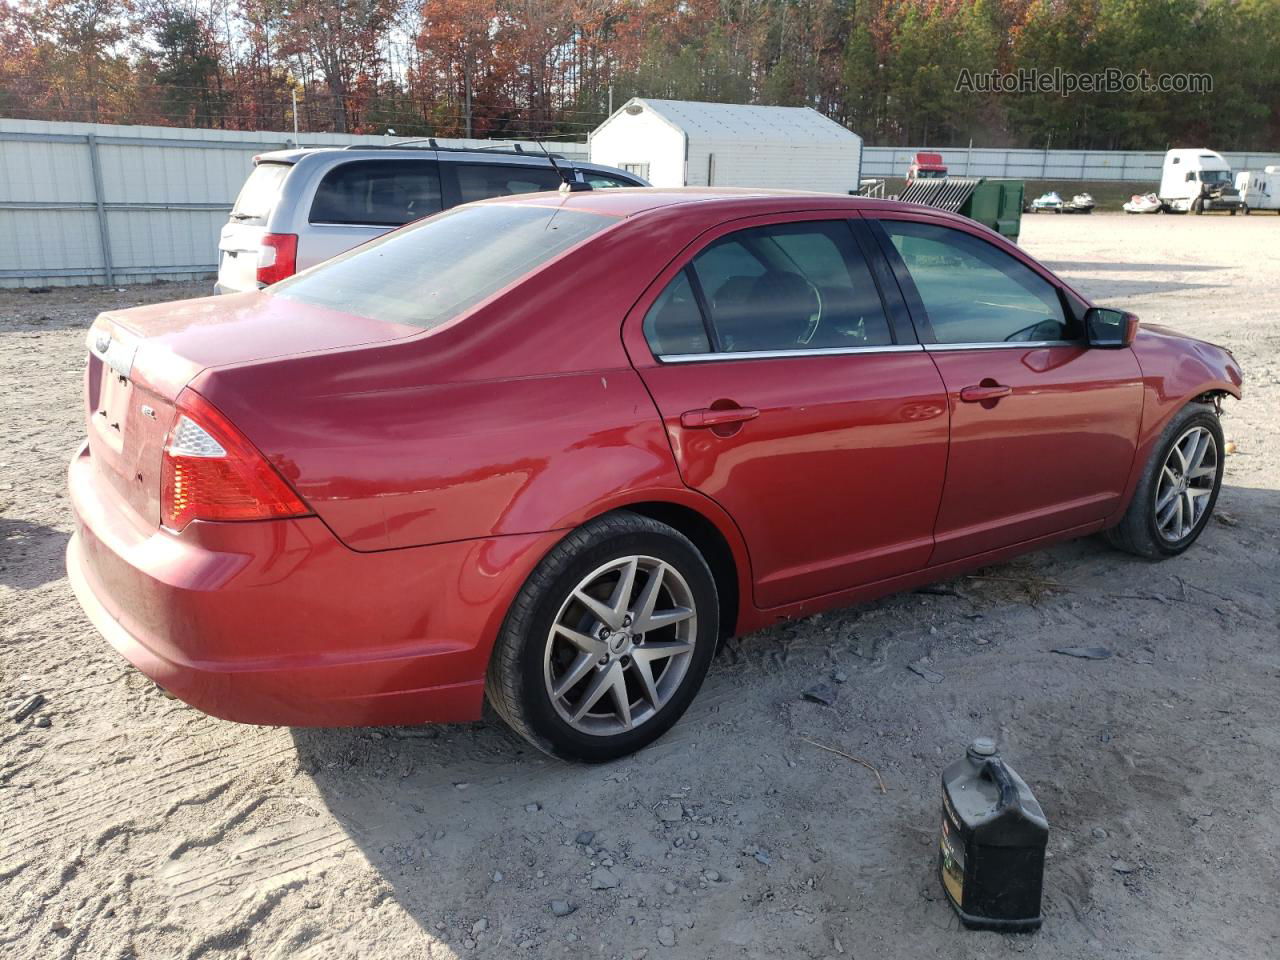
(742, 122)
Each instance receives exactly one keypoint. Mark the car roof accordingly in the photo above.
(452, 154)
(729, 202)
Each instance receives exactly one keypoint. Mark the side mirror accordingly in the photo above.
(1110, 328)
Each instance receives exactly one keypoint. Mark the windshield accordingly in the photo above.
(1215, 176)
(258, 195)
(428, 273)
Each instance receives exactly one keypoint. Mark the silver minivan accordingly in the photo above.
(300, 207)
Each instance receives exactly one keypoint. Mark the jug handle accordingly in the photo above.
(999, 773)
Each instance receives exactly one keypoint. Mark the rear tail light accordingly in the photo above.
(212, 472)
(277, 257)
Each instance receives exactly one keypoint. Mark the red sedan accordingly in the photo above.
(550, 450)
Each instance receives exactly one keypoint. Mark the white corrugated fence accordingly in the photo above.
(101, 203)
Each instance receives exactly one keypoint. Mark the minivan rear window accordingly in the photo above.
(259, 193)
(428, 273)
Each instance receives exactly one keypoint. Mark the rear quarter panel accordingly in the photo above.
(523, 416)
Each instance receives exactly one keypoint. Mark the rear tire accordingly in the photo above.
(556, 651)
(1178, 487)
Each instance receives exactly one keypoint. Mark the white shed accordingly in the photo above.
(683, 143)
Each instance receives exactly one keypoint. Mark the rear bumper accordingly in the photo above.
(277, 622)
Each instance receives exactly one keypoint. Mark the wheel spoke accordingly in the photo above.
(620, 698)
(645, 673)
(1177, 518)
(648, 600)
(666, 618)
(601, 611)
(660, 651)
(603, 681)
(1166, 498)
(621, 598)
(584, 642)
(581, 667)
(1192, 509)
(1198, 450)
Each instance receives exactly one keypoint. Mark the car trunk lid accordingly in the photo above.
(141, 359)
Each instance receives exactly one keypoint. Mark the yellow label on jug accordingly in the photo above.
(952, 861)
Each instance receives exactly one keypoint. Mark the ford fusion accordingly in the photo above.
(547, 451)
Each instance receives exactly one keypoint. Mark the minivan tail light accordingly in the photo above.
(212, 472)
(277, 257)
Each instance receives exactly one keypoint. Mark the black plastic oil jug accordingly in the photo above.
(993, 841)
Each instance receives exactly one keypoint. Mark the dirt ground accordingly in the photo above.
(133, 826)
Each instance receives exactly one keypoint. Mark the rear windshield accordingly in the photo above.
(258, 195)
(428, 273)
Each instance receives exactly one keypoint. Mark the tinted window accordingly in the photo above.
(382, 193)
(427, 274)
(480, 181)
(974, 292)
(259, 193)
(795, 286)
(673, 325)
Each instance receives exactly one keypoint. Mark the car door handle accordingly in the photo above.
(709, 417)
(980, 394)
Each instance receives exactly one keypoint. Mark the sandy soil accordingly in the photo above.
(132, 826)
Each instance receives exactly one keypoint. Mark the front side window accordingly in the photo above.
(380, 193)
(480, 181)
(427, 274)
(791, 286)
(973, 292)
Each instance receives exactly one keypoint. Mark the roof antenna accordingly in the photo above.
(568, 184)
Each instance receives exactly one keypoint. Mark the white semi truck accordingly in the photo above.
(1197, 180)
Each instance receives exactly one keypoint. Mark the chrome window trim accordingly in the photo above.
(780, 354)
(1004, 345)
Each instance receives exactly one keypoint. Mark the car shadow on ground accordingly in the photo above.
(469, 825)
(31, 554)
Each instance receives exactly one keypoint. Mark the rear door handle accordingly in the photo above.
(709, 417)
(984, 392)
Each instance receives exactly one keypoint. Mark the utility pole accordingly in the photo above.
(611, 99)
(466, 80)
(295, 116)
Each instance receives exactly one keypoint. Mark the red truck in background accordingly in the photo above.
(926, 166)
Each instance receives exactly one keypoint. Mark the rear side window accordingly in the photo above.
(604, 181)
(259, 193)
(791, 286)
(974, 292)
(382, 193)
(480, 181)
(674, 325)
(427, 274)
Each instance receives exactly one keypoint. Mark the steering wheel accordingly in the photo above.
(814, 318)
(1026, 332)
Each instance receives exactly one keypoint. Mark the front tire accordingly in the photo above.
(608, 641)
(1178, 487)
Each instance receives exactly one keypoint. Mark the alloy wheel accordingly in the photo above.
(1186, 483)
(620, 645)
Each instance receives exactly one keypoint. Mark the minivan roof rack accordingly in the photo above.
(515, 150)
